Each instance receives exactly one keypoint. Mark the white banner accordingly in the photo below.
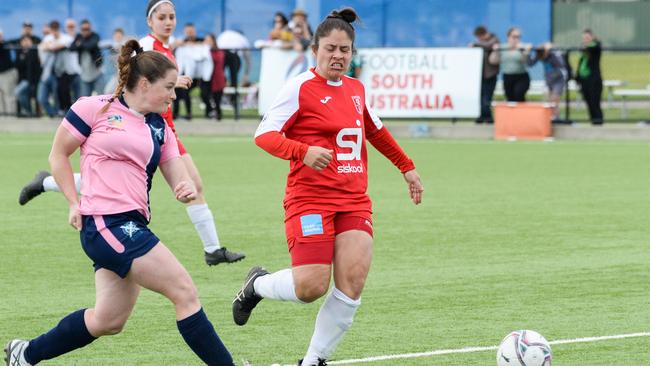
(400, 82)
(423, 82)
(277, 67)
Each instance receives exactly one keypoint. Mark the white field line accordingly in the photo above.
(478, 349)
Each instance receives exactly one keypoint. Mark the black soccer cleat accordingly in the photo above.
(246, 299)
(222, 255)
(33, 188)
(321, 362)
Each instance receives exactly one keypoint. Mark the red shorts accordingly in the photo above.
(310, 235)
(167, 116)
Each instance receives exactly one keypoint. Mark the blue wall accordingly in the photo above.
(404, 23)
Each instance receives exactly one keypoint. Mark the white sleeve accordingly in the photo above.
(284, 107)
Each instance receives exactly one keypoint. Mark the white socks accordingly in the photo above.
(333, 321)
(277, 286)
(49, 184)
(203, 221)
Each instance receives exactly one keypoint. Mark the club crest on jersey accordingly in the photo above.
(157, 132)
(357, 103)
(115, 121)
(129, 229)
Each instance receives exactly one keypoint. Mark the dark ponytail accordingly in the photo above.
(341, 20)
(134, 63)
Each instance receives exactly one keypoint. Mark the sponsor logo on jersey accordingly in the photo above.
(115, 121)
(311, 224)
(349, 168)
(357, 103)
(326, 99)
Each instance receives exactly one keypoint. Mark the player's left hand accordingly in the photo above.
(184, 82)
(415, 186)
(185, 191)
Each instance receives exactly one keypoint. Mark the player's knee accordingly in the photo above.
(185, 293)
(109, 327)
(311, 291)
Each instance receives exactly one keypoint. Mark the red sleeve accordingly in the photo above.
(277, 145)
(384, 142)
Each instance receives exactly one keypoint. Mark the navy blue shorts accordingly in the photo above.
(114, 241)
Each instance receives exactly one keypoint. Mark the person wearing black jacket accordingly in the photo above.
(29, 73)
(589, 77)
(86, 43)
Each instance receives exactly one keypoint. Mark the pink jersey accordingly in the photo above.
(120, 151)
(317, 112)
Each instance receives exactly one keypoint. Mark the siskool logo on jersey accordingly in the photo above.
(357, 103)
(115, 121)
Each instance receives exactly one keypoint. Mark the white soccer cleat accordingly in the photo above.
(15, 353)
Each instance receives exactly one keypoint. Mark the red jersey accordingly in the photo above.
(313, 111)
(151, 43)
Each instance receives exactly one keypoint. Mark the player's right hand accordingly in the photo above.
(317, 157)
(74, 217)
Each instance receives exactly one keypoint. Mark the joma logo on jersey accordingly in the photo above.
(357, 103)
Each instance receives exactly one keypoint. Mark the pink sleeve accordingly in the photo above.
(169, 149)
(80, 118)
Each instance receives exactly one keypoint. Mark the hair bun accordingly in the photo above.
(347, 14)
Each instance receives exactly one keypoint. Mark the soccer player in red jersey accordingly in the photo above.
(161, 18)
(320, 123)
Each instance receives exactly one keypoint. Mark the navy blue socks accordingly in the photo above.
(71, 333)
(199, 334)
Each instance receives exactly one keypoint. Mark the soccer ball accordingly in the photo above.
(524, 348)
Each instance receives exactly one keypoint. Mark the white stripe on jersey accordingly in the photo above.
(286, 104)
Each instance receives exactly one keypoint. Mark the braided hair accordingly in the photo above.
(134, 63)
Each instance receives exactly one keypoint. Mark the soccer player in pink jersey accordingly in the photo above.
(122, 140)
(320, 123)
(161, 18)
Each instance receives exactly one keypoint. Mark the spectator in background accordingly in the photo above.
(589, 77)
(213, 91)
(69, 81)
(46, 30)
(280, 35)
(556, 73)
(487, 41)
(113, 45)
(190, 55)
(8, 79)
(301, 41)
(513, 59)
(52, 62)
(299, 19)
(29, 72)
(28, 30)
(86, 44)
(234, 43)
